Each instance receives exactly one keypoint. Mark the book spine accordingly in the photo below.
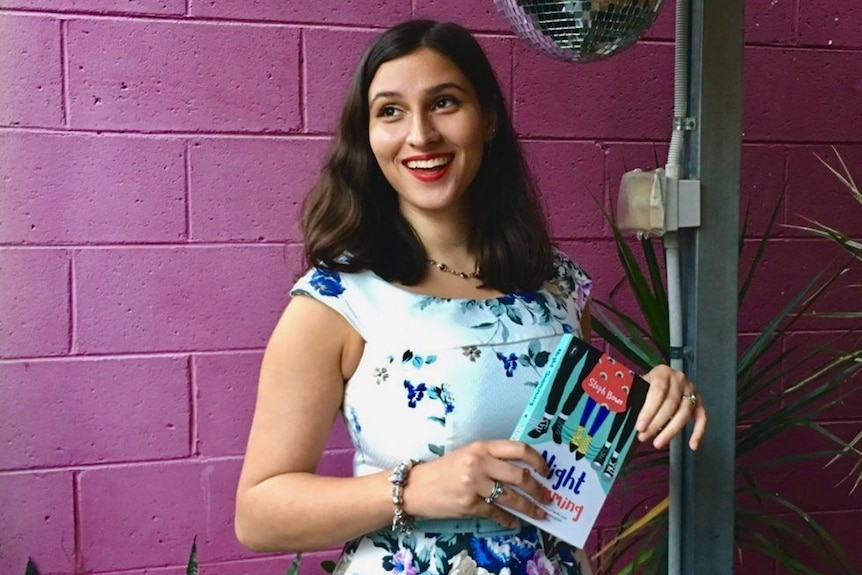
(547, 378)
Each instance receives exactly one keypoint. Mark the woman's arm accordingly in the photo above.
(281, 504)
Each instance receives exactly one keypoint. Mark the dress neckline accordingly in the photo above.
(404, 290)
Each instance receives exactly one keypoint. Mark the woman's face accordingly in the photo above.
(427, 130)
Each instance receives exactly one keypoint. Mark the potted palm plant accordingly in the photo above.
(781, 392)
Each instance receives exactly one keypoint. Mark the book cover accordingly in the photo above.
(581, 418)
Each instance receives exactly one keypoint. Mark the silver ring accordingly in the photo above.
(495, 493)
(692, 397)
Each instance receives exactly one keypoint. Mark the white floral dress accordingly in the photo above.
(437, 374)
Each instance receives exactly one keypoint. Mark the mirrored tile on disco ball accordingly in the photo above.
(580, 30)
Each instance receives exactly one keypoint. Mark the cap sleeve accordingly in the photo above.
(331, 288)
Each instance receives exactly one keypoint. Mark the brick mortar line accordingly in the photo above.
(187, 189)
(302, 100)
(82, 15)
(73, 306)
(198, 460)
(76, 469)
(64, 76)
(796, 27)
(130, 355)
(149, 245)
(194, 435)
(76, 522)
(48, 130)
(177, 355)
(816, 48)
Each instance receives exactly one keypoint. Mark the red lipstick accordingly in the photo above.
(428, 174)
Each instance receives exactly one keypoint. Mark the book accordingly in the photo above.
(581, 418)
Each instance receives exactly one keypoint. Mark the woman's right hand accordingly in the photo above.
(457, 484)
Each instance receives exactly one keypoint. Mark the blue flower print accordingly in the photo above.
(567, 328)
(507, 299)
(414, 394)
(510, 362)
(417, 360)
(443, 394)
(354, 421)
(357, 430)
(327, 282)
(495, 553)
(526, 296)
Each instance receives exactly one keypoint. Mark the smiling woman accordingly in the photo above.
(427, 130)
(429, 365)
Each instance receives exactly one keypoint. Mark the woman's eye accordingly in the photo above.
(387, 111)
(445, 102)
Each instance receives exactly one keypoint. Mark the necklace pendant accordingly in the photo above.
(444, 268)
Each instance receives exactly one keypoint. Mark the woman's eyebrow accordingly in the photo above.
(380, 95)
(430, 91)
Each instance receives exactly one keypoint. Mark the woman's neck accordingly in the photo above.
(446, 238)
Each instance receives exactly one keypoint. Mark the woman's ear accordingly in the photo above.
(490, 124)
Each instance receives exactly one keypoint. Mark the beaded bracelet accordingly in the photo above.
(401, 522)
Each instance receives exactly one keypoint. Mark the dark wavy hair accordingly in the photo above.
(351, 218)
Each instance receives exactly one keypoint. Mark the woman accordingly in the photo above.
(433, 295)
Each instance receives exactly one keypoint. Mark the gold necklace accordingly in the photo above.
(444, 268)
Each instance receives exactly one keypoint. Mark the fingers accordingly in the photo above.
(662, 400)
(670, 404)
(457, 484)
(699, 426)
(528, 492)
(511, 475)
(511, 450)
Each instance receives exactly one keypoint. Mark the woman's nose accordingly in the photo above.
(422, 131)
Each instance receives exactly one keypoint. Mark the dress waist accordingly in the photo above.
(475, 525)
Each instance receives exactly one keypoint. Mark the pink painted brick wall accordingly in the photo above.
(153, 158)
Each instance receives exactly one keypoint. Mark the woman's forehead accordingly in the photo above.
(420, 70)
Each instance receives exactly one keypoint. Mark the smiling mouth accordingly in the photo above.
(428, 164)
(429, 169)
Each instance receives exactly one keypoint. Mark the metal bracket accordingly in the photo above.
(684, 124)
(680, 352)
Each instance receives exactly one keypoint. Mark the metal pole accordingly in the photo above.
(709, 271)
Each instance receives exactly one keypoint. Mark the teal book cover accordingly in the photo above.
(581, 418)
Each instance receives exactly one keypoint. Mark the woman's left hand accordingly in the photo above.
(670, 403)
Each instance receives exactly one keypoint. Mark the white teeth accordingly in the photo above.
(428, 164)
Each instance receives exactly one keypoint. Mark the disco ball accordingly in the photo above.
(579, 30)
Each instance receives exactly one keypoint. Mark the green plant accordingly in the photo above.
(761, 367)
(852, 245)
(192, 564)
